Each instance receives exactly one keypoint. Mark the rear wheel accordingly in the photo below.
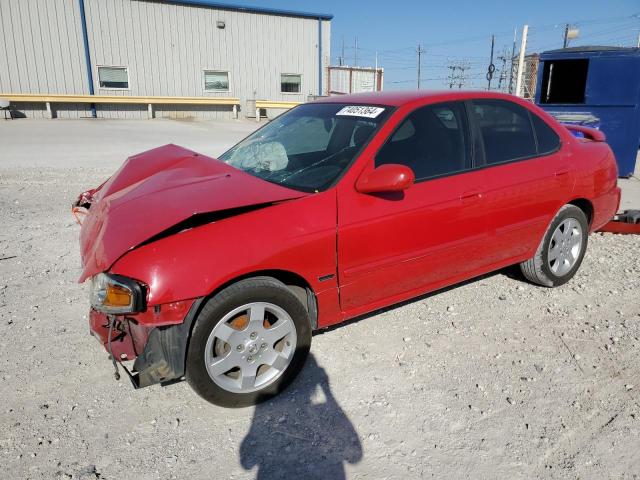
(249, 342)
(561, 251)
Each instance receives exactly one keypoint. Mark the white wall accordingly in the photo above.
(165, 47)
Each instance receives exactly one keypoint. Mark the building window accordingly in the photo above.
(216, 81)
(113, 77)
(290, 83)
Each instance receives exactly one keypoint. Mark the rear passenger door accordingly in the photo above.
(527, 176)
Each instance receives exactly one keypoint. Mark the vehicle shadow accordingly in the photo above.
(303, 433)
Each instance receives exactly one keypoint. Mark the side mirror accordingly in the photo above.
(386, 178)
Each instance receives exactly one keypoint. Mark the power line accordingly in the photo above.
(440, 63)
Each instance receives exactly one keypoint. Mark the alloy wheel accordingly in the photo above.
(565, 247)
(250, 347)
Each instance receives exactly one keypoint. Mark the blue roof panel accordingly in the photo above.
(590, 51)
(245, 8)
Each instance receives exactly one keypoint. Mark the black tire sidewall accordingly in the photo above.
(247, 291)
(578, 215)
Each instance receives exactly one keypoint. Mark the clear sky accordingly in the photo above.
(456, 32)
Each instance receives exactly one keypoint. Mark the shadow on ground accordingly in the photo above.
(302, 433)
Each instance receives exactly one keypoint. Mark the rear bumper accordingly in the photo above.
(605, 207)
(159, 351)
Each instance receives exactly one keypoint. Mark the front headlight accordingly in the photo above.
(116, 294)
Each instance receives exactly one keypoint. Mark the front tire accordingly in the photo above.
(248, 343)
(561, 251)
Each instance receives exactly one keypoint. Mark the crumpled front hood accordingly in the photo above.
(156, 190)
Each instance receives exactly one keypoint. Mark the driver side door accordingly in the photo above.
(395, 246)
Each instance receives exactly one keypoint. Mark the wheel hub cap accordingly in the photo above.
(565, 247)
(250, 347)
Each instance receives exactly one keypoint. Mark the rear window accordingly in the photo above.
(506, 130)
(548, 140)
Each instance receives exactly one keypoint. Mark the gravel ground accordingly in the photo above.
(495, 378)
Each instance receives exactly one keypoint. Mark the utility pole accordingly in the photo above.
(513, 56)
(492, 68)
(638, 45)
(420, 52)
(452, 76)
(523, 47)
(355, 53)
(565, 44)
(459, 79)
(462, 80)
(503, 70)
(342, 56)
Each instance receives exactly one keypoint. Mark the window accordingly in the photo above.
(290, 83)
(564, 81)
(432, 141)
(113, 77)
(548, 140)
(306, 148)
(308, 134)
(362, 132)
(506, 130)
(216, 81)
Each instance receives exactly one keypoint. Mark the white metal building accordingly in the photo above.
(177, 48)
(343, 79)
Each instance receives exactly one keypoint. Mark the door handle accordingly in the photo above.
(471, 196)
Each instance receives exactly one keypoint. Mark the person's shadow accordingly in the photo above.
(303, 433)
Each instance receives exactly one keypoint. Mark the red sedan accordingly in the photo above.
(220, 270)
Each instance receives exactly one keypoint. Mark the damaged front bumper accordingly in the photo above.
(159, 349)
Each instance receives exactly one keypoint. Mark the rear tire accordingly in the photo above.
(248, 343)
(561, 251)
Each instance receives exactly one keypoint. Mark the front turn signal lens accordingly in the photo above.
(115, 294)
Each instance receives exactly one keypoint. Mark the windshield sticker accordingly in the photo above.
(361, 111)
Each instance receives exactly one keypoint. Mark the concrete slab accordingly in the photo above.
(631, 190)
(107, 143)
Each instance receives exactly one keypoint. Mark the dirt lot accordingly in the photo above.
(492, 379)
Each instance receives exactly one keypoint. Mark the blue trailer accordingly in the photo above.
(597, 87)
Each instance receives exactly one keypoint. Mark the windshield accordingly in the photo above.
(308, 147)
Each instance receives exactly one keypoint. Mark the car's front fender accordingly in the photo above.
(297, 236)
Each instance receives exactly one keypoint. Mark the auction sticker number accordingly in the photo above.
(361, 111)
